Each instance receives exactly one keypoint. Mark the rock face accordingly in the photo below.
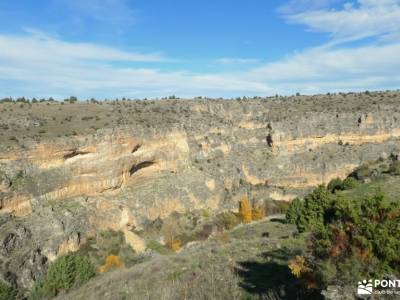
(183, 155)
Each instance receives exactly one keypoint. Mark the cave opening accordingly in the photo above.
(139, 166)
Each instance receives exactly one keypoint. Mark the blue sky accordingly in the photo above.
(155, 48)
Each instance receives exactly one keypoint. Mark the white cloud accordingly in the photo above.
(295, 6)
(325, 69)
(236, 60)
(339, 65)
(370, 18)
(40, 65)
(39, 47)
(322, 63)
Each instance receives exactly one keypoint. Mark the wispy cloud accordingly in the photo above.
(237, 60)
(43, 65)
(39, 47)
(112, 12)
(325, 69)
(295, 6)
(340, 65)
(36, 64)
(364, 19)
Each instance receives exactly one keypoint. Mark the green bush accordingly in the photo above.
(351, 238)
(350, 183)
(7, 292)
(68, 271)
(335, 185)
(361, 173)
(105, 243)
(394, 168)
(338, 185)
(363, 230)
(156, 246)
(309, 213)
(276, 207)
(294, 213)
(228, 220)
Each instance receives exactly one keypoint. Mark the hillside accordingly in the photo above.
(71, 171)
(250, 261)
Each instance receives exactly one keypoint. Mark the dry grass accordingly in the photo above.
(207, 270)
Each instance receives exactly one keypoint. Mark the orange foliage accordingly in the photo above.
(111, 261)
(394, 214)
(341, 243)
(310, 281)
(245, 210)
(361, 253)
(298, 266)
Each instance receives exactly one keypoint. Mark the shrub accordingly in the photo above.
(309, 213)
(174, 245)
(170, 232)
(366, 231)
(350, 183)
(7, 292)
(338, 185)
(361, 173)
(107, 242)
(223, 237)
(335, 185)
(66, 272)
(394, 168)
(112, 261)
(298, 266)
(258, 213)
(351, 238)
(228, 220)
(276, 207)
(204, 233)
(245, 210)
(294, 212)
(156, 246)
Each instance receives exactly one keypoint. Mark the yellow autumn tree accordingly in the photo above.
(298, 266)
(112, 261)
(245, 210)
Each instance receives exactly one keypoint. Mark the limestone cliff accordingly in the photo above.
(168, 156)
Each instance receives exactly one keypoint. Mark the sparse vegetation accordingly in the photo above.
(7, 292)
(228, 220)
(249, 212)
(394, 168)
(170, 233)
(231, 252)
(351, 237)
(112, 261)
(67, 272)
(340, 185)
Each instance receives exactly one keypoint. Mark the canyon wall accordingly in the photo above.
(184, 155)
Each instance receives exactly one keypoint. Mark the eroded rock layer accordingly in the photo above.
(169, 156)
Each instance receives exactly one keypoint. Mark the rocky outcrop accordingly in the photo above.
(179, 156)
